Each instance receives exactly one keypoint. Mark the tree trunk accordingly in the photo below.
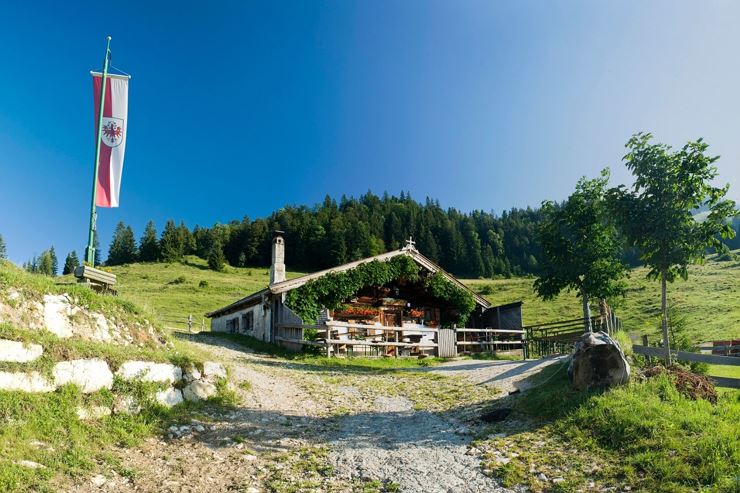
(664, 310)
(604, 314)
(586, 312)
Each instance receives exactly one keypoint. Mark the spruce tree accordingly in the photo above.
(96, 246)
(3, 249)
(71, 263)
(54, 261)
(170, 245)
(123, 247)
(148, 245)
(216, 258)
(45, 264)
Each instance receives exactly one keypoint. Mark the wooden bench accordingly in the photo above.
(96, 279)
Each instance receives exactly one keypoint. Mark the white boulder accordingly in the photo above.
(14, 351)
(192, 373)
(170, 397)
(56, 315)
(199, 390)
(213, 371)
(89, 374)
(26, 382)
(150, 372)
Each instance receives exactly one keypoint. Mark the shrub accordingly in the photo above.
(203, 284)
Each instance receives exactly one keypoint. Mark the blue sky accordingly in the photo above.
(238, 108)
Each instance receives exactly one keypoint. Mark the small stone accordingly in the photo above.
(541, 476)
(559, 479)
(200, 428)
(30, 464)
(98, 480)
(249, 457)
(502, 461)
(213, 371)
(199, 390)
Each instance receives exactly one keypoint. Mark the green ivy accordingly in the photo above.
(333, 289)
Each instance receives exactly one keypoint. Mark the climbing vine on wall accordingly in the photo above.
(333, 289)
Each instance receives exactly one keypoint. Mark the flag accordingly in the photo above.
(112, 136)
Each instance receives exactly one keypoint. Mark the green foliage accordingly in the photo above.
(70, 263)
(460, 298)
(580, 248)
(656, 213)
(3, 249)
(654, 439)
(171, 247)
(331, 290)
(123, 247)
(45, 264)
(148, 245)
(216, 258)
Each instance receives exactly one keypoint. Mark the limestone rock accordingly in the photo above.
(199, 390)
(56, 315)
(89, 374)
(95, 412)
(26, 382)
(170, 397)
(14, 351)
(213, 371)
(192, 373)
(150, 372)
(125, 404)
(597, 361)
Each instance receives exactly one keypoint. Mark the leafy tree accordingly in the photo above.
(70, 263)
(656, 212)
(3, 249)
(148, 245)
(123, 247)
(580, 246)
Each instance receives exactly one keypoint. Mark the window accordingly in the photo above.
(248, 321)
(232, 325)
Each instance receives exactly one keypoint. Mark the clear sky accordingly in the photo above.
(238, 108)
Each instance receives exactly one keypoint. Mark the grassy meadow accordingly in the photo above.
(709, 299)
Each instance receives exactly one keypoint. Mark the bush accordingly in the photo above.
(486, 289)
(178, 280)
(203, 284)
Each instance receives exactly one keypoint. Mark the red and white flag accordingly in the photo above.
(112, 136)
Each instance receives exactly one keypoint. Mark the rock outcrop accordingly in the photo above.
(597, 361)
(18, 352)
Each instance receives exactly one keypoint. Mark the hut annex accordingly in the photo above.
(395, 303)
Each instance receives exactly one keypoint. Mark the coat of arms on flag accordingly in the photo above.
(112, 131)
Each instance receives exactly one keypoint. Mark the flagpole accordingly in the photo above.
(90, 250)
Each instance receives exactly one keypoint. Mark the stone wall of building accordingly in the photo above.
(239, 322)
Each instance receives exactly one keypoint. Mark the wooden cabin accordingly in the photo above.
(399, 318)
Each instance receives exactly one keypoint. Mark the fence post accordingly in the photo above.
(645, 343)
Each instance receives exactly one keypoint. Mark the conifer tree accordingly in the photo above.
(70, 263)
(54, 261)
(216, 259)
(123, 247)
(3, 249)
(44, 264)
(148, 245)
(96, 246)
(170, 244)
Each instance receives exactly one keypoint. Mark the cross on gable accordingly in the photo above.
(410, 243)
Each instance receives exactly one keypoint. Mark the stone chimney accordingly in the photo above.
(277, 269)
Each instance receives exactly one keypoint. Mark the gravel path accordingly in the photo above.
(418, 450)
(288, 406)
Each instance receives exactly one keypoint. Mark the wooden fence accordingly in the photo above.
(558, 337)
(335, 338)
(659, 352)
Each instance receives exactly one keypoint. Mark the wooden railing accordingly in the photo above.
(659, 352)
(558, 337)
(336, 337)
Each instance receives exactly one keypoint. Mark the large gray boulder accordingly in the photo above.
(597, 361)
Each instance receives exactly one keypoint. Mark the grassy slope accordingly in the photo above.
(709, 298)
(172, 291)
(44, 428)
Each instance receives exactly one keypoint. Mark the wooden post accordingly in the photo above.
(645, 343)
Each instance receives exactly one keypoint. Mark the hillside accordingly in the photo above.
(708, 298)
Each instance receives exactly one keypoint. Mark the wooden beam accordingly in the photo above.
(726, 382)
(684, 356)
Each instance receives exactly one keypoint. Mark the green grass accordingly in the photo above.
(709, 300)
(645, 435)
(172, 291)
